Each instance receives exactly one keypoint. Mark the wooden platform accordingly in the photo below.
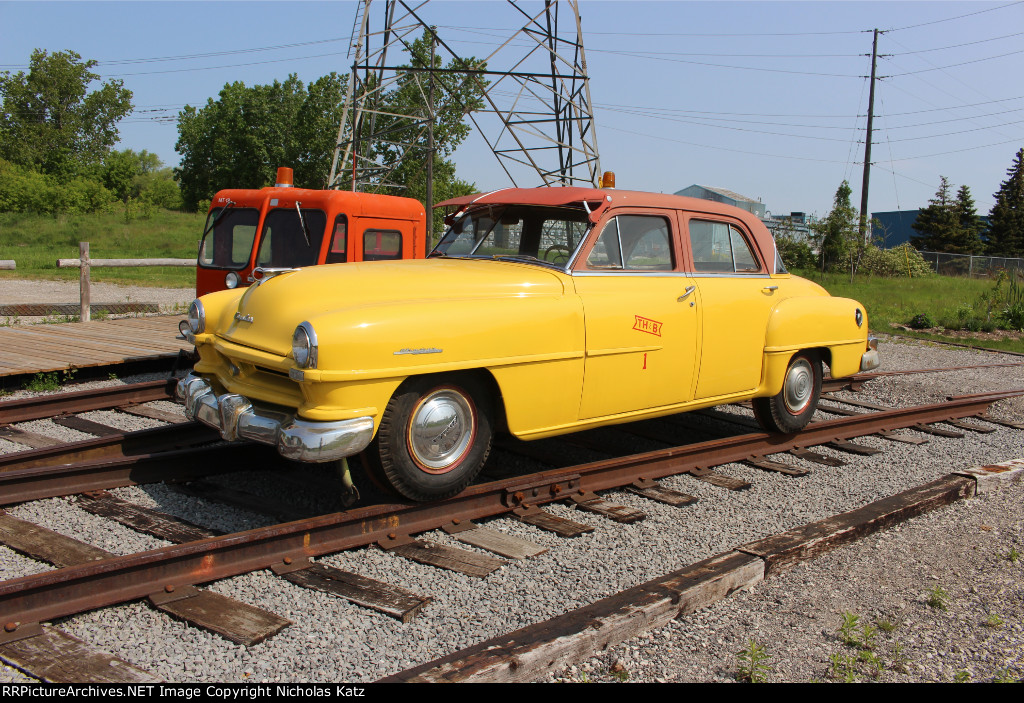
(28, 349)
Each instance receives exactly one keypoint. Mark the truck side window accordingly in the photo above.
(382, 244)
(338, 251)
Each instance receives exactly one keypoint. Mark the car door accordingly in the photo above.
(737, 295)
(641, 324)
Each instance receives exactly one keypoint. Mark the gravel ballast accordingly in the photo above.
(795, 616)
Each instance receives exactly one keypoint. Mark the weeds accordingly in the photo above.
(844, 667)
(938, 598)
(962, 676)
(1012, 556)
(43, 382)
(752, 663)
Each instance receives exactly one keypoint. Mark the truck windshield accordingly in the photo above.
(540, 234)
(283, 240)
(229, 236)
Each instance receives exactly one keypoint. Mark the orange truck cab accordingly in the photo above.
(283, 227)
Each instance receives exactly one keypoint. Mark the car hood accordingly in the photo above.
(268, 313)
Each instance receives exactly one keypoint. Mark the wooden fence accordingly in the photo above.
(85, 264)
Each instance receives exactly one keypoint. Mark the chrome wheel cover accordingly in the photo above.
(799, 386)
(441, 430)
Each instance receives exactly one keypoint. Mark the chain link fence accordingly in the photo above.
(970, 266)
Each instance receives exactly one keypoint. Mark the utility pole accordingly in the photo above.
(430, 146)
(864, 235)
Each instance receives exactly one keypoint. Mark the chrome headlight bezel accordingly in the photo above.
(304, 346)
(197, 317)
(231, 280)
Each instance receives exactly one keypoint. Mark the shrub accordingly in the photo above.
(796, 254)
(901, 261)
(920, 321)
(24, 190)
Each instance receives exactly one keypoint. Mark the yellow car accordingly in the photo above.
(541, 311)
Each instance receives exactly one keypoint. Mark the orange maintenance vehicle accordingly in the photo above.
(252, 231)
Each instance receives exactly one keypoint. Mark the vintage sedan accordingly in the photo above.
(540, 312)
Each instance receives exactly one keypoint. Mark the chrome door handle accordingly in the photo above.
(770, 289)
(689, 289)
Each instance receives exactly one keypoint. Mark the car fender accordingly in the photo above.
(815, 322)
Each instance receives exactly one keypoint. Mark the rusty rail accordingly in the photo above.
(83, 401)
(75, 589)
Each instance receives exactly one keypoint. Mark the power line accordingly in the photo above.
(958, 17)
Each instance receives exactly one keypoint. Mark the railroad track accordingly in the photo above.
(164, 575)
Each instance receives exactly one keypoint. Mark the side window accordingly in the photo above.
(633, 243)
(382, 244)
(337, 253)
(607, 253)
(720, 248)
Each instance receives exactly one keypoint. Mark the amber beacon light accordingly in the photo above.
(285, 178)
(608, 179)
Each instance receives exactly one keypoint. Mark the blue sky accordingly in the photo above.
(764, 98)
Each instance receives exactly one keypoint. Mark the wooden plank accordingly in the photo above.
(718, 479)
(232, 619)
(788, 548)
(619, 513)
(967, 426)
(777, 466)
(53, 656)
(137, 517)
(532, 652)
(81, 424)
(552, 523)
(451, 558)
(855, 403)
(247, 501)
(845, 412)
(29, 439)
(661, 494)
(906, 439)
(494, 541)
(938, 431)
(171, 416)
(999, 421)
(46, 545)
(816, 457)
(853, 448)
(393, 601)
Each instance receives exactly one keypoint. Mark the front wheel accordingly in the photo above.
(792, 408)
(434, 437)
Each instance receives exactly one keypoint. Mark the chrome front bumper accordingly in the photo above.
(237, 418)
(870, 359)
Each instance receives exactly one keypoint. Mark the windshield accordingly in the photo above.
(286, 243)
(230, 232)
(547, 235)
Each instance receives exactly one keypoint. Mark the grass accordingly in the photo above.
(941, 298)
(35, 242)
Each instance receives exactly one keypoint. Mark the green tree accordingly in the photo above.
(971, 226)
(838, 234)
(123, 171)
(50, 120)
(239, 140)
(939, 223)
(1006, 219)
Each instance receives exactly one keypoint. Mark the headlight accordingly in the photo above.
(196, 317)
(304, 346)
(231, 280)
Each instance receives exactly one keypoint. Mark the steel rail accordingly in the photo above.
(82, 401)
(74, 589)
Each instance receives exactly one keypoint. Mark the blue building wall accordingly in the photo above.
(893, 228)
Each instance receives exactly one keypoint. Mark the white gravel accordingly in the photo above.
(794, 616)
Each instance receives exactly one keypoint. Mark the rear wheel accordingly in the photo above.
(434, 437)
(792, 408)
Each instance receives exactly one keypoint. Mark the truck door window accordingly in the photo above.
(229, 244)
(338, 251)
(382, 244)
(283, 241)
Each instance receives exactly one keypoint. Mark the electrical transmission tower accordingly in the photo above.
(532, 95)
